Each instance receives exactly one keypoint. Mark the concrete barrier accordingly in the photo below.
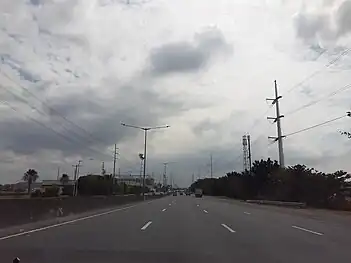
(278, 203)
(22, 211)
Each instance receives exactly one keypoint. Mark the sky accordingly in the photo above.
(72, 70)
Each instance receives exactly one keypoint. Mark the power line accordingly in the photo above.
(49, 128)
(315, 126)
(46, 105)
(346, 87)
(330, 63)
(77, 135)
(260, 118)
(38, 110)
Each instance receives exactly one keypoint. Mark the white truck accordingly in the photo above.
(198, 192)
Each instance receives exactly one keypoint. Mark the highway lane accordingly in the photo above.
(187, 229)
(284, 234)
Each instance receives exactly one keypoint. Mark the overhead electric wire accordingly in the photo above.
(41, 112)
(50, 108)
(315, 126)
(314, 102)
(78, 135)
(330, 63)
(44, 126)
(49, 128)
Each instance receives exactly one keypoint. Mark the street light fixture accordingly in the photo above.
(145, 129)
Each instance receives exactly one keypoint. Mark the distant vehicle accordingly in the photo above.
(181, 193)
(187, 193)
(198, 192)
(174, 193)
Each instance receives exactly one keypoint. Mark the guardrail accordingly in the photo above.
(278, 203)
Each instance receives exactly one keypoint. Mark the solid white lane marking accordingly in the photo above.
(205, 211)
(307, 230)
(228, 228)
(164, 209)
(197, 205)
(146, 225)
(67, 222)
(247, 213)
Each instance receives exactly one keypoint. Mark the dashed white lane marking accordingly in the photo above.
(169, 204)
(146, 225)
(307, 230)
(23, 233)
(164, 209)
(228, 228)
(205, 211)
(197, 205)
(247, 213)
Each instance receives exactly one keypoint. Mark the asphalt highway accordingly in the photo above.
(188, 229)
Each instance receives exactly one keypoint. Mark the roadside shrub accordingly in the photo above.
(51, 191)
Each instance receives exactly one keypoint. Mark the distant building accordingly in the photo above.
(50, 183)
(23, 186)
(135, 180)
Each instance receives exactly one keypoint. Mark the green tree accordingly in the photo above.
(30, 177)
(64, 179)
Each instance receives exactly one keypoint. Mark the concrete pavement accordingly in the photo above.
(187, 229)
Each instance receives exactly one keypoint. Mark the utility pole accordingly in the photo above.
(192, 178)
(165, 174)
(171, 180)
(58, 173)
(103, 171)
(142, 160)
(144, 172)
(276, 119)
(249, 151)
(211, 167)
(115, 156)
(245, 154)
(75, 179)
(76, 174)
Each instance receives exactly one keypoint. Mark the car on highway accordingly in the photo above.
(174, 193)
(198, 192)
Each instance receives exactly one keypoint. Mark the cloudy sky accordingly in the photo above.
(72, 70)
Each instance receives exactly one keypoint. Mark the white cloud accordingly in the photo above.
(90, 60)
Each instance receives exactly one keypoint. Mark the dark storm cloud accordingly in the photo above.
(91, 121)
(192, 56)
(35, 2)
(206, 125)
(308, 26)
(179, 57)
(315, 27)
(343, 18)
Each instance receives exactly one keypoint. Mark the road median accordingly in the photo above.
(278, 203)
(24, 211)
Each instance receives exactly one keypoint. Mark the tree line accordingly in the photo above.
(268, 181)
(87, 185)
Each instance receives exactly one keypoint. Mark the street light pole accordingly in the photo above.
(145, 129)
(144, 172)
